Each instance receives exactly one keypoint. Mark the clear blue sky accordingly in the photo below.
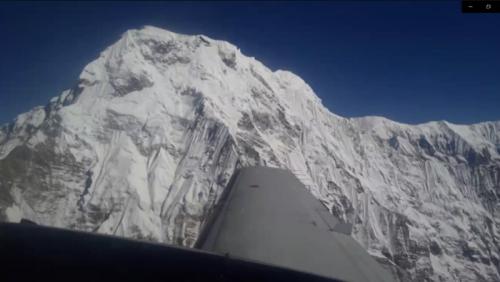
(411, 62)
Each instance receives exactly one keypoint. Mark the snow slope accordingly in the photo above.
(144, 143)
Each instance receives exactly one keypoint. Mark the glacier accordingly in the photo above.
(144, 143)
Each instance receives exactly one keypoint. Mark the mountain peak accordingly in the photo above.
(146, 141)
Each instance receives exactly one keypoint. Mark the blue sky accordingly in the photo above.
(409, 61)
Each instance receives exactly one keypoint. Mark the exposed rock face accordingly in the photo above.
(146, 141)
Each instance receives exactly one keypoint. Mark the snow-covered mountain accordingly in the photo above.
(143, 145)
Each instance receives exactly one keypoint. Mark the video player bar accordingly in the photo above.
(481, 6)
